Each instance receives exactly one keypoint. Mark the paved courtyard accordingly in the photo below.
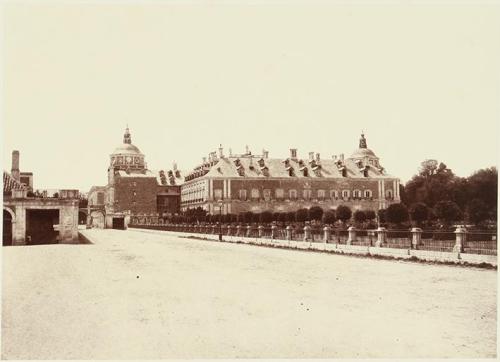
(139, 295)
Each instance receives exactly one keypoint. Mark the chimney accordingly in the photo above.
(265, 153)
(293, 153)
(204, 160)
(317, 157)
(334, 157)
(15, 165)
(311, 156)
(221, 154)
(175, 166)
(341, 157)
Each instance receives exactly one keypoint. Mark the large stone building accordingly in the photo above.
(30, 218)
(247, 182)
(132, 189)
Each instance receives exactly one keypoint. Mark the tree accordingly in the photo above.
(290, 216)
(256, 217)
(302, 215)
(266, 217)
(370, 215)
(483, 185)
(359, 216)
(329, 217)
(447, 211)
(382, 215)
(315, 213)
(419, 212)
(248, 217)
(477, 211)
(397, 213)
(343, 213)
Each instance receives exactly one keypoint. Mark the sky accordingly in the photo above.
(421, 79)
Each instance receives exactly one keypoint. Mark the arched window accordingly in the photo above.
(292, 194)
(368, 194)
(388, 194)
(345, 194)
(356, 193)
(280, 194)
(334, 194)
(255, 194)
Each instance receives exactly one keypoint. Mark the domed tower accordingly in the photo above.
(126, 157)
(364, 155)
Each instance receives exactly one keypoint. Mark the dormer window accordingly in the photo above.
(305, 171)
(365, 171)
(290, 171)
(265, 170)
(241, 170)
(261, 162)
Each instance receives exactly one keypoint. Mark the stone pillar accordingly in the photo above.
(416, 237)
(289, 232)
(238, 230)
(214, 229)
(261, 231)
(381, 236)
(274, 231)
(229, 228)
(249, 230)
(307, 233)
(352, 235)
(327, 232)
(460, 234)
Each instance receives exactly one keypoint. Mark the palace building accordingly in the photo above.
(132, 189)
(247, 182)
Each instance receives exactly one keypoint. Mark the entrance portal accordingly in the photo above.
(119, 223)
(7, 228)
(40, 226)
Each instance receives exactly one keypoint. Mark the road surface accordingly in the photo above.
(139, 295)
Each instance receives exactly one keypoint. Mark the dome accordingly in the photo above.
(128, 149)
(362, 153)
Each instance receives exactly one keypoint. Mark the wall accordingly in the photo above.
(137, 194)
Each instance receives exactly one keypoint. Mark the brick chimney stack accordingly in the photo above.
(293, 153)
(15, 165)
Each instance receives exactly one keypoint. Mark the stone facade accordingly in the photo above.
(240, 183)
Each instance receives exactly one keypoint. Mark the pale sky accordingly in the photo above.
(422, 81)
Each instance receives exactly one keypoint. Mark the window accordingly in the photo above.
(388, 194)
(280, 194)
(345, 194)
(321, 194)
(255, 194)
(307, 194)
(334, 194)
(292, 194)
(356, 193)
(243, 195)
(267, 194)
(368, 194)
(218, 194)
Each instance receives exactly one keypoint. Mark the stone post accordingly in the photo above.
(214, 229)
(416, 237)
(460, 234)
(288, 232)
(261, 231)
(229, 228)
(352, 235)
(238, 230)
(274, 231)
(307, 233)
(249, 230)
(381, 236)
(327, 232)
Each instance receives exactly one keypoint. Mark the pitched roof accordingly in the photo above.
(275, 167)
(10, 183)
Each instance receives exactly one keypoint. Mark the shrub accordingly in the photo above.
(315, 213)
(343, 213)
(329, 217)
(359, 216)
(397, 213)
(302, 215)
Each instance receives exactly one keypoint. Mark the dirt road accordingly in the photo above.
(138, 295)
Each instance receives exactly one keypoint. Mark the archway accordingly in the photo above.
(97, 219)
(8, 217)
(82, 217)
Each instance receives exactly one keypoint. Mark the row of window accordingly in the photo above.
(306, 194)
